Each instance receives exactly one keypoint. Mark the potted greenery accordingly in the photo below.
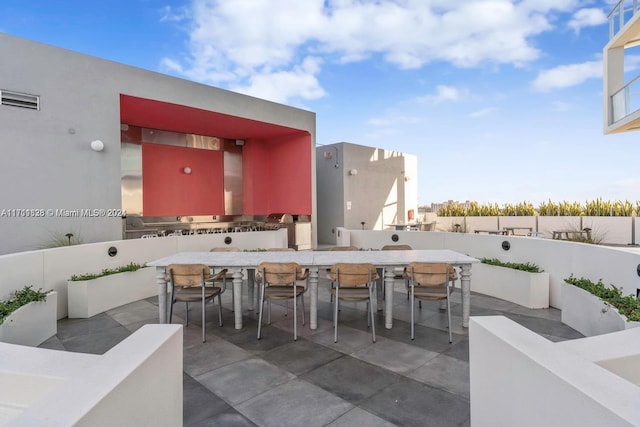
(28, 317)
(521, 283)
(592, 308)
(93, 293)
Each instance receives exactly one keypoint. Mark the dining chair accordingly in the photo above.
(429, 282)
(353, 282)
(189, 284)
(258, 278)
(228, 277)
(338, 248)
(279, 281)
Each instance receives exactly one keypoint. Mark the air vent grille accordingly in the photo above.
(17, 99)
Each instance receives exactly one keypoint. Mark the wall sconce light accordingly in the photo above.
(187, 170)
(353, 172)
(406, 179)
(97, 145)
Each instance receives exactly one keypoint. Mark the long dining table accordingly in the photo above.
(240, 264)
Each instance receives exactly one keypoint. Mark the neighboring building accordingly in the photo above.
(364, 187)
(621, 93)
(84, 138)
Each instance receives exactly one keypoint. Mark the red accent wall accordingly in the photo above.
(168, 191)
(277, 176)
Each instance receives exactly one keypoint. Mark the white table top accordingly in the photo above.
(315, 258)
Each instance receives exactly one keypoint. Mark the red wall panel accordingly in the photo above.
(277, 175)
(168, 191)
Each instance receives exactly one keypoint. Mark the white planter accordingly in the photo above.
(589, 315)
(90, 297)
(521, 287)
(32, 324)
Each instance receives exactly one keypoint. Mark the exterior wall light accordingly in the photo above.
(97, 145)
(187, 170)
(353, 172)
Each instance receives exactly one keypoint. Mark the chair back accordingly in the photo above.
(429, 274)
(225, 249)
(280, 273)
(397, 248)
(344, 248)
(354, 275)
(187, 275)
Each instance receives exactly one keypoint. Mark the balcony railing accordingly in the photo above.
(625, 101)
(621, 13)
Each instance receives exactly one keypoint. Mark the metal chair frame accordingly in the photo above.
(189, 280)
(352, 277)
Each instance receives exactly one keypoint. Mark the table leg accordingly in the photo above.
(389, 281)
(162, 294)
(465, 285)
(237, 297)
(313, 291)
(251, 275)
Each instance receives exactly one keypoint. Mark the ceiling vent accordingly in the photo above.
(17, 99)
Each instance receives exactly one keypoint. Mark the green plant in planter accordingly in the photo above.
(527, 266)
(628, 306)
(19, 298)
(132, 266)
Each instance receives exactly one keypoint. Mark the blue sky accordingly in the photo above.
(501, 101)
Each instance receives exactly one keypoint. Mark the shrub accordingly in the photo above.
(628, 306)
(132, 266)
(527, 266)
(19, 298)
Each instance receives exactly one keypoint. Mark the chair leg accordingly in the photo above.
(413, 314)
(373, 324)
(335, 316)
(295, 314)
(220, 309)
(261, 304)
(302, 301)
(269, 314)
(204, 317)
(173, 301)
(449, 316)
(186, 311)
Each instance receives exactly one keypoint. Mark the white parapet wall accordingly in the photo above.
(50, 269)
(518, 378)
(561, 259)
(136, 383)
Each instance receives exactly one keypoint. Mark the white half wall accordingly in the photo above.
(136, 383)
(50, 269)
(559, 258)
(519, 378)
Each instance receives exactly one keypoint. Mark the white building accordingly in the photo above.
(621, 91)
(84, 138)
(363, 187)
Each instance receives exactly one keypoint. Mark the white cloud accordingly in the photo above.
(279, 86)
(251, 44)
(567, 75)
(482, 112)
(444, 93)
(587, 18)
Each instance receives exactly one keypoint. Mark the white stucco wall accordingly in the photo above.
(50, 269)
(519, 378)
(364, 184)
(561, 259)
(47, 162)
(138, 382)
